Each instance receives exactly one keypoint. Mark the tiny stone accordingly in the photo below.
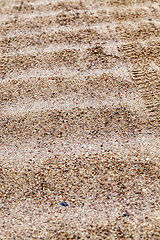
(126, 214)
(64, 204)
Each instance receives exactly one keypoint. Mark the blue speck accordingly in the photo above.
(64, 204)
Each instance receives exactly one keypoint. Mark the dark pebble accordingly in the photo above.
(64, 204)
(106, 123)
(126, 214)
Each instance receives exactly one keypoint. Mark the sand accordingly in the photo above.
(80, 118)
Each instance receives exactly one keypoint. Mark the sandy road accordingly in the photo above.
(80, 118)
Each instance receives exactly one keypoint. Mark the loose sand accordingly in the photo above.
(80, 118)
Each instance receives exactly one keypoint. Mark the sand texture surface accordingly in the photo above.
(80, 119)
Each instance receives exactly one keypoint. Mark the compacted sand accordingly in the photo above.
(80, 118)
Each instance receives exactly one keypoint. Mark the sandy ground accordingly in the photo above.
(80, 118)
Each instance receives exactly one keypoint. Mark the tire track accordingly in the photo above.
(137, 52)
(148, 81)
(142, 54)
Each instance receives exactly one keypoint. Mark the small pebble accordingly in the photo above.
(126, 214)
(64, 204)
